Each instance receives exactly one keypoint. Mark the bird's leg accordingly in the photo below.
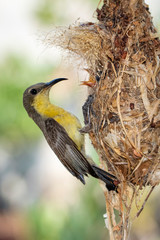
(87, 108)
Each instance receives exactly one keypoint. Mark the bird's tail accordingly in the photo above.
(110, 180)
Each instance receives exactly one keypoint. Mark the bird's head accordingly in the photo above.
(37, 90)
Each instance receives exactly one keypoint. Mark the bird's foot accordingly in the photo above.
(86, 129)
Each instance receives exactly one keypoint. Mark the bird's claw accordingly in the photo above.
(86, 129)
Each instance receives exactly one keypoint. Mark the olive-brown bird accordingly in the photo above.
(61, 130)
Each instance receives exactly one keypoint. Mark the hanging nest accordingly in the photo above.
(121, 52)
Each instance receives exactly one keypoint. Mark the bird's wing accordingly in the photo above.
(66, 150)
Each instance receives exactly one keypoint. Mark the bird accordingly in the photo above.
(61, 130)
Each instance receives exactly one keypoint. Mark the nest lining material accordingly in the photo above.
(83, 40)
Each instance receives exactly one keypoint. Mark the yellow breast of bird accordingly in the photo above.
(72, 126)
(70, 123)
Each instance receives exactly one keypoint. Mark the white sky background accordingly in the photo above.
(19, 31)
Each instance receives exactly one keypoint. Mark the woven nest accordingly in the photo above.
(122, 52)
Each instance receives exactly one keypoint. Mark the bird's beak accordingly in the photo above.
(53, 82)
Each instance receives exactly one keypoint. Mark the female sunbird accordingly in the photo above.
(61, 130)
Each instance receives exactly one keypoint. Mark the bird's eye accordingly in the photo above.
(33, 91)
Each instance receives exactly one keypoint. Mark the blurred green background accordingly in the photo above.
(39, 199)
